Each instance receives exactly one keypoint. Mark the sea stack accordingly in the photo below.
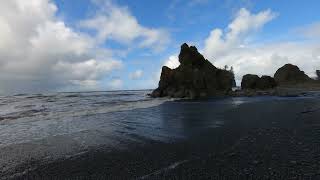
(252, 81)
(194, 78)
(291, 74)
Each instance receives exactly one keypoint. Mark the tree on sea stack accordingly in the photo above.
(194, 78)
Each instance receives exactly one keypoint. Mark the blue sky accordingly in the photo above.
(121, 44)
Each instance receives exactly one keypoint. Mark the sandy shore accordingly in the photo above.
(270, 139)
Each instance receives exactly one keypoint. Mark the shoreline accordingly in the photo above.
(266, 139)
(280, 91)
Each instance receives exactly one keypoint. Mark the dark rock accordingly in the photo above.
(190, 56)
(156, 93)
(290, 74)
(251, 81)
(166, 76)
(195, 77)
(266, 82)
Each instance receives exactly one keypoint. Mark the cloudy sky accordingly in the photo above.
(66, 45)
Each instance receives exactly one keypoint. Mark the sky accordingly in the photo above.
(94, 45)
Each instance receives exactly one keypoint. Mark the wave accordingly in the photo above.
(22, 114)
(64, 105)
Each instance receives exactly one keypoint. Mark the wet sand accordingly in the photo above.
(266, 139)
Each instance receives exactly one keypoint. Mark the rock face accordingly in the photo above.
(251, 81)
(266, 82)
(290, 74)
(195, 77)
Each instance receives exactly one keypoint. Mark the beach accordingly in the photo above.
(236, 137)
(169, 90)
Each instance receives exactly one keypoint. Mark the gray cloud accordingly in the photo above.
(39, 52)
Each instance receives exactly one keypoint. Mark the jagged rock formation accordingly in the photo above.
(195, 77)
(290, 74)
(251, 81)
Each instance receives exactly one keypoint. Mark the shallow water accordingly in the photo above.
(59, 125)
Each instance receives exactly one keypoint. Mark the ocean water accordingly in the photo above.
(60, 125)
(51, 126)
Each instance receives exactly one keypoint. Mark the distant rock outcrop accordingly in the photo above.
(266, 82)
(195, 77)
(290, 74)
(251, 81)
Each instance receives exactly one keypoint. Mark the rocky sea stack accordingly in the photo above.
(290, 74)
(194, 78)
(251, 81)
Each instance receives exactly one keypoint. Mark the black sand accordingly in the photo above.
(268, 139)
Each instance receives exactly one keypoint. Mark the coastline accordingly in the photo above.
(280, 91)
(274, 138)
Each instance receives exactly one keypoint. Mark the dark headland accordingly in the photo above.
(196, 77)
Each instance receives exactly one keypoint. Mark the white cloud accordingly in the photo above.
(86, 70)
(115, 84)
(118, 24)
(220, 43)
(38, 51)
(266, 59)
(51, 37)
(172, 62)
(136, 74)
(232, 48)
